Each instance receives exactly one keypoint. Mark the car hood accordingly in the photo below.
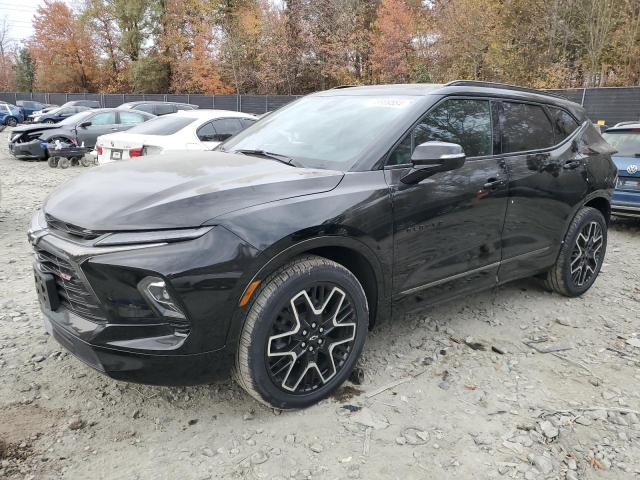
(178, 190)
(625, 166)
(33, 127)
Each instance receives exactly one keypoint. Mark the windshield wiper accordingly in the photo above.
(263, 153)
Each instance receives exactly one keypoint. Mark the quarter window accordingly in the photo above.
(206, 133)
(164, 109)
(226, 128)
(465, 122)
(526, 127)
(144, 108)
(563, 124)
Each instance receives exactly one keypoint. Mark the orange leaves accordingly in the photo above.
(64, 54)
(391, 41)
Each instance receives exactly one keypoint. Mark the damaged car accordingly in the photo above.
(31, 142)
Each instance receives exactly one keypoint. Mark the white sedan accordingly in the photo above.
(184, 130)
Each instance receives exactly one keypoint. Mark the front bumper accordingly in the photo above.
(626, 202)
(28, 150)
(136, 366)
(204, 275)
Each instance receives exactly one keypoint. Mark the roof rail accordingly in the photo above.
(622, 124)
(504, 86)
(339, 87)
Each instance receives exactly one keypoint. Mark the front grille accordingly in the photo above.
(73, 293)
(73, 230)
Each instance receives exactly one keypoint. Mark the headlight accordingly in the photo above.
(154, 290)
(159, 236)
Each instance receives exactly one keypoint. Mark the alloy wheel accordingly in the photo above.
(311, 339)
(585, 256)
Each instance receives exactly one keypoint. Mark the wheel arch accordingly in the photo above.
(348, 252)
(602, 204)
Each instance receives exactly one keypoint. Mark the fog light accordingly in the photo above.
(155, 292)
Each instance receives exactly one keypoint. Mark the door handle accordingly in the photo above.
(571, 164)
(493, 183)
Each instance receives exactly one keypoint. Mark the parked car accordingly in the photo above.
(83, 128)
(27, 107)
(10, 115)
(159, 108)
(185, 130)
(46, 109)
(58, 114)
(625, 138)
(279, 251)
(83, 103)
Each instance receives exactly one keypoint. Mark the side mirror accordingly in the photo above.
(432, 157)
(84, 124)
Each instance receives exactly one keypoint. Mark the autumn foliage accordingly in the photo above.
(298, 46)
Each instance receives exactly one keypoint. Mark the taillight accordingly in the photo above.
(135, 152)
(99, 149)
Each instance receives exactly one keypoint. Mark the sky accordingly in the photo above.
(18, 14)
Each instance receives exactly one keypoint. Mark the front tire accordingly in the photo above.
(48, 120)
(12, 121)
(581, 254)
(302, 334)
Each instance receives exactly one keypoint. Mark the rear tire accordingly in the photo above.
(581, 254)
(64, 162)
(86, 162)
(302, 334)
(48, 120)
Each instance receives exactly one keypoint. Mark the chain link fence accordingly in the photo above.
(613, 104)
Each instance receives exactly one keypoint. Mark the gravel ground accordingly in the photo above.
(450, 392)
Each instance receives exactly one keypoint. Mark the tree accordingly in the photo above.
(25, 71)
(64, 54)
(392, 42)
(6, 71)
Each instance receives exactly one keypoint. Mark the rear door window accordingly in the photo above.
(525, 127)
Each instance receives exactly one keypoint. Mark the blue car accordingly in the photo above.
(28, 107)
(10, 115)
(625, 138)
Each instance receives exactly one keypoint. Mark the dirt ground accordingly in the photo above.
(450, 392)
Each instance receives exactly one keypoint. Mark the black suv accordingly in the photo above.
(277, 253)
(159, 108)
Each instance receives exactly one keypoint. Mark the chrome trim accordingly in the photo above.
(624, 208)
(475, 270)
(79, 253)
(449, 279)
(526, 255)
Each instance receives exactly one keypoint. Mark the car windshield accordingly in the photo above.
(327, 132)
(73, 119)
(627, 143)
(165, 125)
